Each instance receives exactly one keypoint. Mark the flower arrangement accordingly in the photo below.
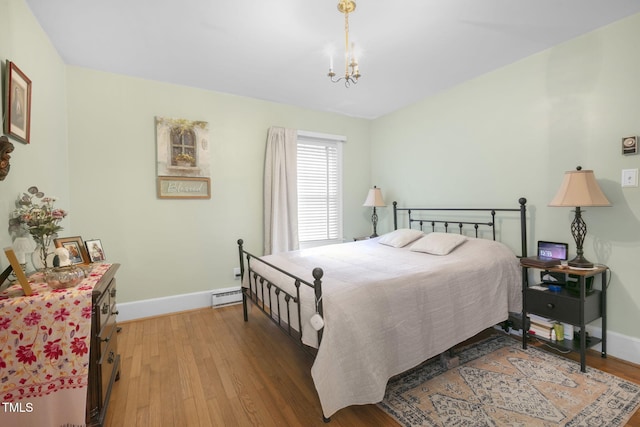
(184, 157)
(37, 215)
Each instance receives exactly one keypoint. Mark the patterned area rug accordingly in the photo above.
(499, 384)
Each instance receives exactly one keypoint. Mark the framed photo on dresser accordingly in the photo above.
(95, 251)
(14, 265)
(75, 246)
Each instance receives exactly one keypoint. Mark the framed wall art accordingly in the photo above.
(95, 251)
(183, 159)
(630, 145)
(17, 104)
(77, 251)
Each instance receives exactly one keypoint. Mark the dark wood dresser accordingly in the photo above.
(104, 360)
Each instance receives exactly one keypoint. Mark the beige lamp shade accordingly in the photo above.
(579, 188)
(374, 198)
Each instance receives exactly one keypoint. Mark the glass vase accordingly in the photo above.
(41, 257)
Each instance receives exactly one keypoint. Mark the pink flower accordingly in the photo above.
(52, 349)
(32, 318)
(86, 312)
(4, 322)
(79, 346)
(25, 354)
(58, 214)
(61, 315)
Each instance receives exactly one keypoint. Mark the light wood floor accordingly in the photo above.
(210, 368)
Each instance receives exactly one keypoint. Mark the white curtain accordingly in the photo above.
(280, 191)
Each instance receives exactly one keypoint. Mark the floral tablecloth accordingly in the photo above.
(45, 338)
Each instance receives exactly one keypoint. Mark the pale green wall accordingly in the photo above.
(44, 162)
(169, 247)
(508, 134)
(515, 131)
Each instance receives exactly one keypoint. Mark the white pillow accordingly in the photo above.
(401, 237)
(438, 243)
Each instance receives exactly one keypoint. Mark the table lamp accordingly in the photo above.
(375, 200)
(23, 246)
(579, 188)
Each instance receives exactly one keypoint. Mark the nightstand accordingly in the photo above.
(355, 239)
(578, 308)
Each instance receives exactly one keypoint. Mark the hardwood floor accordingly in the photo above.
(209, 368)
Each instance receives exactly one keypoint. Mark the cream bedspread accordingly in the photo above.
(388, 309)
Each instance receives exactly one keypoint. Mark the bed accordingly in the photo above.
(371, 309)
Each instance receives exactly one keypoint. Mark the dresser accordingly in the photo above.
(58, 351)
(104, 360)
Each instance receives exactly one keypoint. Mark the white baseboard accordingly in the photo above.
(166, 305)
(618, 345)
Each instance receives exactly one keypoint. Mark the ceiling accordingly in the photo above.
(278, 50)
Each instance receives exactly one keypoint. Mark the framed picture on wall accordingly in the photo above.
(77, 251)
(17, 104)
(95, 251)
(630, 145)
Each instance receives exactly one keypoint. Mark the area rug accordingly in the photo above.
(497, 383)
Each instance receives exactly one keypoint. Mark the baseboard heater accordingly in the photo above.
(226, 296)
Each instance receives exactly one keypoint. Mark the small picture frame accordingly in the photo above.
(95, 251)
(17, 104)
(630, 145)
(77, 251)
(17, 270)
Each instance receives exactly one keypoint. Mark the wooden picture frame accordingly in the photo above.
(181, 187)
(77, 250)
(94, 250)
(17, 104)
(17, 269)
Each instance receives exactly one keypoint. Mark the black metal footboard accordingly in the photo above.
(274, 301)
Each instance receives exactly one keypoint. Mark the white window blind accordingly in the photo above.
(319, 189)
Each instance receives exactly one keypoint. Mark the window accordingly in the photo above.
(183, 147)
(319, 189)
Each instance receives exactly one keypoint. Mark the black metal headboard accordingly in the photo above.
(490, 223)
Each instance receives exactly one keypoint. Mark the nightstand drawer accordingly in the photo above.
(563, 306)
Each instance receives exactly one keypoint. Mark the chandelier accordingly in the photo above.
(351, 71)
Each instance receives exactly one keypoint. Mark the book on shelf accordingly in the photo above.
(544, 321)
(540, 331)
